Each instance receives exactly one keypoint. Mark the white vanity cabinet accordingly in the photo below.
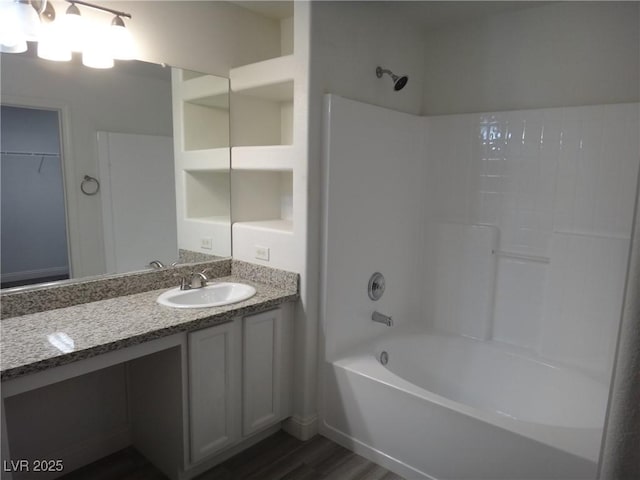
(239, 380)
(186, 400)
(267, 346)
(214, 389)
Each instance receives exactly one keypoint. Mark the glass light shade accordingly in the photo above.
(12, 39)
(16, 47)
(28, 20)
(97, 52)
(121, 40)
(74, 28)
(53, 43)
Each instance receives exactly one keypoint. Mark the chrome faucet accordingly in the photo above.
(380, 318)
(195, 280)
(157, 264)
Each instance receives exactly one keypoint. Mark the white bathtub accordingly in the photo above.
(453, 407)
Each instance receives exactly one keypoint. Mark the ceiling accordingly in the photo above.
(428, 14)
(433, 14)
(270, 9)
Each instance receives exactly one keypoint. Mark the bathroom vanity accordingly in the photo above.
(201, 384)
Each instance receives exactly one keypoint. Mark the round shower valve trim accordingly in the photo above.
(376, 286)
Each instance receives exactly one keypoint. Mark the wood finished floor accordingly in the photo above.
(279, 457)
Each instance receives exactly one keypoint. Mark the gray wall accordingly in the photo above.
(563, 54)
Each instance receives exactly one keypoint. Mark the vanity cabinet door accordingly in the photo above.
(214, 389)
(267, 369)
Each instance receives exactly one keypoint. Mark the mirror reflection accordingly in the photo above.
(94, 181)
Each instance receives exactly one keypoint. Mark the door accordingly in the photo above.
(138, 200)
(34, 226)
(267, 369)
(214, 389)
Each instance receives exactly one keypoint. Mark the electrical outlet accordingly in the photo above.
(262, 253)
(206, 243)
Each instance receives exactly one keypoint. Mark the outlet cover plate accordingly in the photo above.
(262, 253)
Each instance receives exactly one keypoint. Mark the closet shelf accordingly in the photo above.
(30, 154)
(269, 157)
(270, 79)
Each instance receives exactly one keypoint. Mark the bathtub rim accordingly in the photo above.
(561, 438)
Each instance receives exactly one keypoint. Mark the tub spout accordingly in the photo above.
(380, 318)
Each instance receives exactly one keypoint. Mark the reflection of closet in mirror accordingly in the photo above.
(201, 133)
(34, 227)
(132, 98)
(116, 230)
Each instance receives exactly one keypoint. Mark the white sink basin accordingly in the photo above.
(214, 295)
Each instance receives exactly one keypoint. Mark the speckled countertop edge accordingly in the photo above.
(66, 294)
(116, 323)
(76, 292)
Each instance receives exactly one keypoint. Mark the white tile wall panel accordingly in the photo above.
(597, 170)
(534, 174)
(519, 299)
(373, 219)
(583, 300)
(465, 271)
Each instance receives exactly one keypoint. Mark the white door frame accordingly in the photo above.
(69, 178)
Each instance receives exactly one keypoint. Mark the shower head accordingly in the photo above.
(398, 81)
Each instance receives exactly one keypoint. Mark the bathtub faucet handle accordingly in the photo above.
(381, 318)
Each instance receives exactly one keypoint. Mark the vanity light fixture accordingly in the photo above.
(28, 19)
(121, 40)
(97, 53)
(51, 42)
(74, 28)
(34, 20)
(19, 23)
(52, 45)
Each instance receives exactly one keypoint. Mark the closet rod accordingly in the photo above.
(31, 154)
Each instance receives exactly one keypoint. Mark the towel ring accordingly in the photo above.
(86, 180)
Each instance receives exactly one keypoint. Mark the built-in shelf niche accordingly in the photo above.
(264, 155)
(262, 103)
(261, 196)
(207, 195)
(205, 110)
(272, 157)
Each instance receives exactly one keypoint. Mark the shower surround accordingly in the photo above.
(509, 228)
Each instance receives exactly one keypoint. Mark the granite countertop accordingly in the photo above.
(83, 331)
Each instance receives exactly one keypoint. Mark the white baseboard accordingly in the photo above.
(205, 465)
(301, 428)
(370, 453)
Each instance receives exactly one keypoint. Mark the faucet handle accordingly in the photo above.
(198, 280)
(185, 283)
(156, 264)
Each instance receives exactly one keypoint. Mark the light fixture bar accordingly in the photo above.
(98, 7)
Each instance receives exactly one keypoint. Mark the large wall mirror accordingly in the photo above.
(106, 171)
